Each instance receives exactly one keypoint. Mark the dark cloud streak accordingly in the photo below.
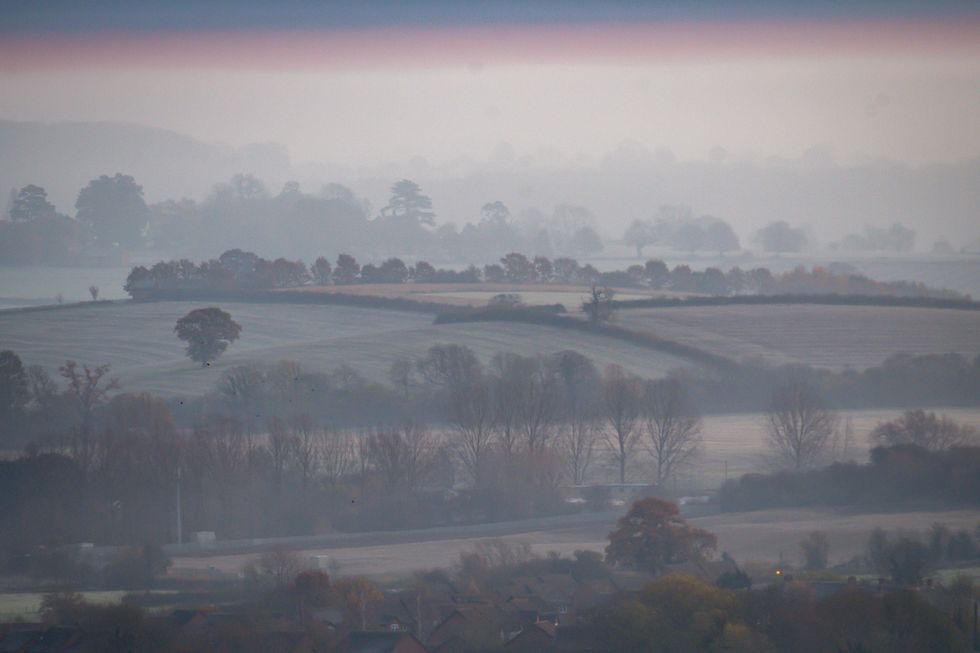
(72, 17)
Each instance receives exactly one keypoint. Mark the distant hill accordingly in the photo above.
(65, 156)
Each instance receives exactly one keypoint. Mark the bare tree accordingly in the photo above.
(842, 442)
(280, 564)
(89, 388)
(577, 440)
(798, 425)
(579, 383)
(471, 414)
(926, 430)
(400, 376)
(94, 292)
(598, 307)
(306, 449)
(282, 448)
(672, 424)
(446, 366)
(337, 455)
(621, 397)
(536, 403)
(402, 456)
(219, 455)
(505, 404)
(525, 393)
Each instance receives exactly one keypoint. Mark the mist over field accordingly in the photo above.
(469, 327)
(627, 181)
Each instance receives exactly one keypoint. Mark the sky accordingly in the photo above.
(362, 83)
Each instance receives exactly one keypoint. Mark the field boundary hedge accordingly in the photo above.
(546, 318)
(292, 297)
(823, 300)
(13, 310)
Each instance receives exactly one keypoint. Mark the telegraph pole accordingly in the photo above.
(180, 521)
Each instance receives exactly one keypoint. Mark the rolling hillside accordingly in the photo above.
(833, 337)
(137, 340)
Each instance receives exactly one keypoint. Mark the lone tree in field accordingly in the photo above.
(653, 535)
(798, 425)
(599, 307)
(207, 332)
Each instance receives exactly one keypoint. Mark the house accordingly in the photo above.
(396, 616)
(488, 622)
(381, 642)
(551, 595)
(37, 638)
(575, 639)
(544, 637)
(539, 636)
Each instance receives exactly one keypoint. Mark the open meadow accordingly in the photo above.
(833, 337)
(478, 294)
(137, 340)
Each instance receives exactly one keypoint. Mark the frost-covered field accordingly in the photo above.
(834, 337)
(138, 341)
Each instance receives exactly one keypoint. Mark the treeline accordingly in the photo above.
(277, 450)
(901, 381)
(112, 218)
(681, 614)
(239, 270)
(109, 219)
(904, 475)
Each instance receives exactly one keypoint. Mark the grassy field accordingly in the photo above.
(137, 340)
(26, 605)
(761, 536)
(834, 337)
(570, 299)
(477, 294)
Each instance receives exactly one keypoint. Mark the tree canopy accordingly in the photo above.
(29, 203)
(408, 202)
(114, 208)
(653, 535)
(207, 332)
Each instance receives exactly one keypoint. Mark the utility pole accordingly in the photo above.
(180, 521)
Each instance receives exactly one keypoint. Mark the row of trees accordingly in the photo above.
(896, 238)
(677, 227)
(112, 215)
(239, 270)
(896, 476)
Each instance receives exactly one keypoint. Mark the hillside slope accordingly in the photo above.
(833, 337)
(137, 340)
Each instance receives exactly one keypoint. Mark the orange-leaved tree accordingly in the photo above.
(653, 535)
